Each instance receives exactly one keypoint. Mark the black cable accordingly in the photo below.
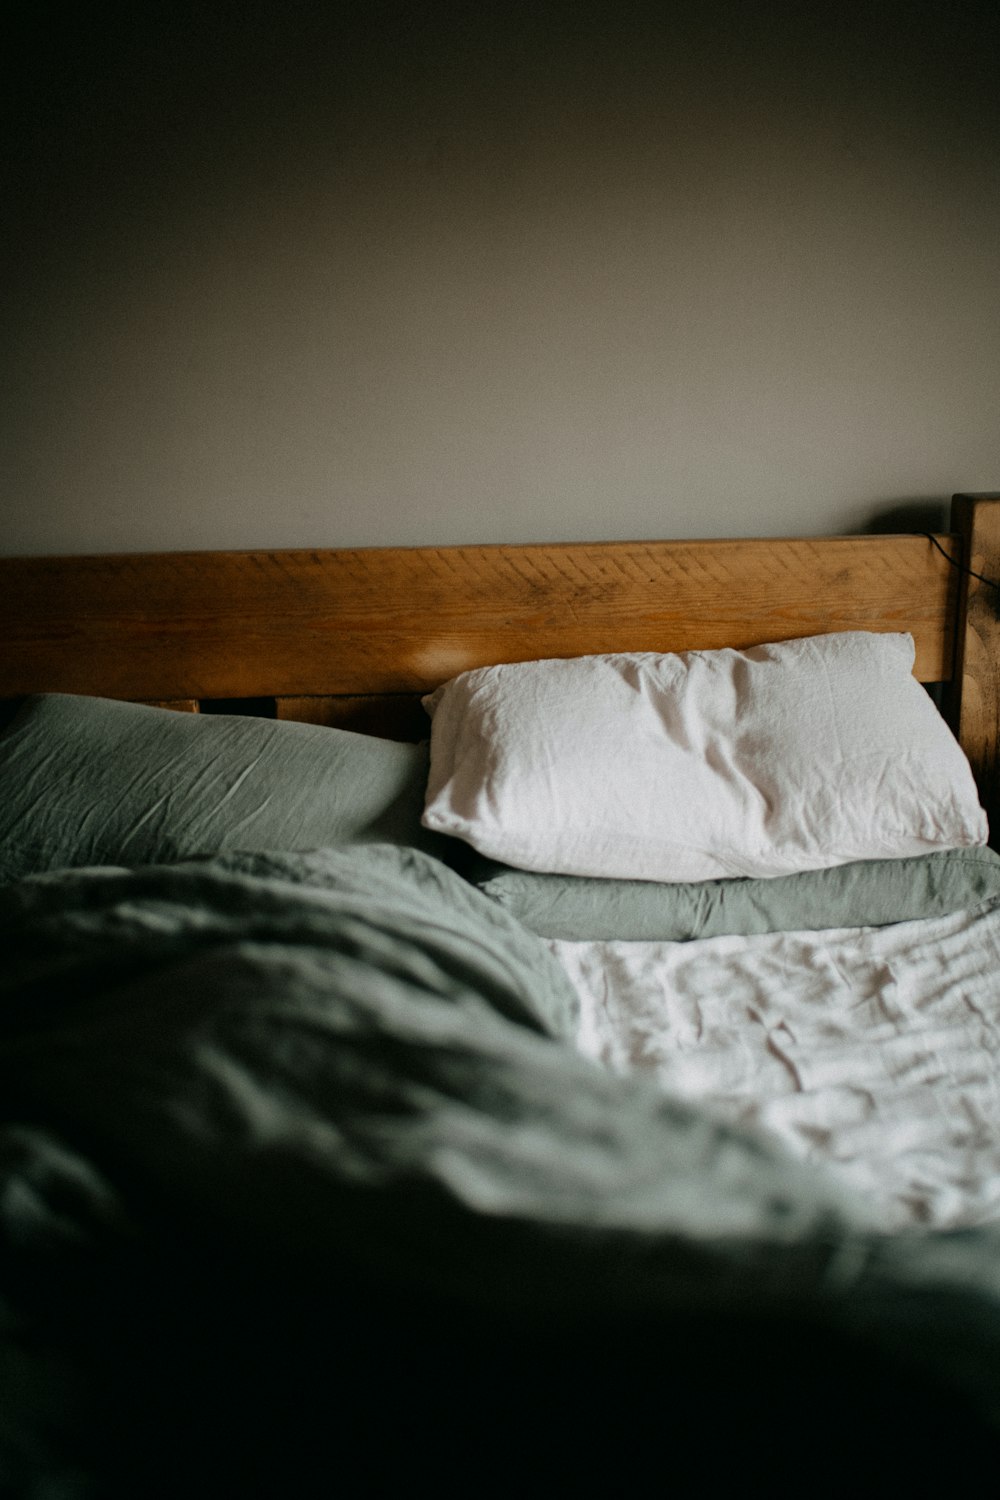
(962, 568)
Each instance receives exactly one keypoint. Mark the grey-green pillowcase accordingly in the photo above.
(870, 893)
(91, 781)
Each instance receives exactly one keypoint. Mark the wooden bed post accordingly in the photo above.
(976, 698)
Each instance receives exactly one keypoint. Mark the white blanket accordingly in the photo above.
(873, 1050)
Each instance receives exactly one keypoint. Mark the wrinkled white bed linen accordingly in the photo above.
(873, 1050)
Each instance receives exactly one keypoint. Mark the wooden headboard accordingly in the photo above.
(354, 637)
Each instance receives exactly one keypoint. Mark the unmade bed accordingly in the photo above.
(610, 1082)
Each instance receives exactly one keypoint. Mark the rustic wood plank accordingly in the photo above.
(975, 710)
(298, 624)
(393, 716)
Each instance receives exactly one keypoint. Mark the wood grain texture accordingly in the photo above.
(375, 621)
(975, 711)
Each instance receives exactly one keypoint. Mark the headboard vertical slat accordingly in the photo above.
(975, 707)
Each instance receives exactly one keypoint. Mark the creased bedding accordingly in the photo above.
(866, 893)
(873, 1051)
(301, 1181)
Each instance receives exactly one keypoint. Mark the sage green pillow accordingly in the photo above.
(869, 893)
(91, 781)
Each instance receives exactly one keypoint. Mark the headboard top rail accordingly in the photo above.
(243, 624)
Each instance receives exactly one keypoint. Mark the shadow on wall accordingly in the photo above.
(909, 515)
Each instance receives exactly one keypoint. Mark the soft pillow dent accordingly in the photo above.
(701, 765)
(91, 781)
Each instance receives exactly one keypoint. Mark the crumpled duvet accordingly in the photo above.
(300, 1177)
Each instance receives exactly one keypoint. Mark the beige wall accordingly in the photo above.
(409, 278)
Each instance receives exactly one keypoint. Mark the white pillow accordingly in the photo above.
(702, 765)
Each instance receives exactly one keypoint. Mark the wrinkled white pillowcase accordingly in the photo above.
(701, 765)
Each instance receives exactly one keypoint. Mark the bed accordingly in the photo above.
(331, 1154)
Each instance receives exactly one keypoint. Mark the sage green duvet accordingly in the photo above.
(302, 1192)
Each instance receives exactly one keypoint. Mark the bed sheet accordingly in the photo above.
(870, 1050)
